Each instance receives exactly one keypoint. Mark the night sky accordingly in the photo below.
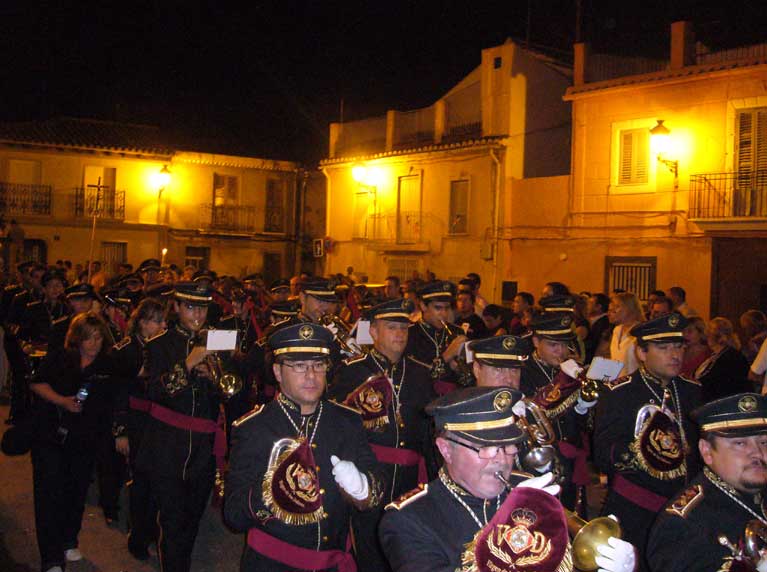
(267, 79)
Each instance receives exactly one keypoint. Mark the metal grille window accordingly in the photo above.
(275, 206)
(363, 200)
(633, 154)
(198, 257)
(402, 268)
(459, 207)
(113, 254)
(632, 274)
(409, 209)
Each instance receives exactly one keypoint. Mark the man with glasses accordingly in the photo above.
(299, 465)
(391, 390)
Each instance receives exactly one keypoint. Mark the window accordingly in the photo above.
(362, 223)
(633, 156)
(275, 206)
(409, 209)
(35, 250)
(99, 190)
(112, 255)
(497, 62)
(224, 190)
(24, 172)
(750, 196)
(459, 207)
(198, 257)
(272, 266)
(402, 268)
(632, 274)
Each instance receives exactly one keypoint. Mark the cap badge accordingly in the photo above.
(306, 332)
(405, 304)
(747, 403)
(509, 343)
(502, 401)
(566, 321)
(673, 320)
(446, 287)
(201, 289)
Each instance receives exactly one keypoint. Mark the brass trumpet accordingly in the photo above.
(227, 383)
(540, 438)
(754, 542)
(341, 334)
(586, 535)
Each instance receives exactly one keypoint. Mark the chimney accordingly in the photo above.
(682, 45)
(581, 57)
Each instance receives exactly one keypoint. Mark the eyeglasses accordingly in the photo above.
(303, 367)
(490, 452)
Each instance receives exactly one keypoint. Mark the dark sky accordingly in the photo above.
(267, 79)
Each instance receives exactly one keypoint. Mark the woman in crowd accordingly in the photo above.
(624, 313)
(494, 317)
(754, 326)
(71, 393)
(696, 349)
(725, 372)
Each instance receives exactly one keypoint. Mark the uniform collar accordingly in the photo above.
(288, 402)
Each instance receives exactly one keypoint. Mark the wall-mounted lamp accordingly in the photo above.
(661, 141)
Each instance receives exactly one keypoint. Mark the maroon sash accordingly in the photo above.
(138, 404)
(196, 425)
(296, 557)
(405, 457)
(580, 470)
(444, 387)
(640, 496)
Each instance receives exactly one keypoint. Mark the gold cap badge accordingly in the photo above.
(306, 332)
(502, 401)
(747, 403)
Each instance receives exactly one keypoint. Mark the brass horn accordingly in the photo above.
(341, 332)
(755, 539)
(540, 438)
(228, 384)
(586, 535)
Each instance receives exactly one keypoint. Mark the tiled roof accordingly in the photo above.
(665, 75)
(89, 134)
(479, 142)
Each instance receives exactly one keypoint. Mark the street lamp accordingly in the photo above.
(661, 140)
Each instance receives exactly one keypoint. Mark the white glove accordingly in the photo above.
(519, 408)
(582, 407)
(761, 566)
(543, 469)
(571, 368)
(349, 478)
(540, 483)
(619, 556)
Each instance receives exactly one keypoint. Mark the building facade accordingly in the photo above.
(429, 189)
(233, 214)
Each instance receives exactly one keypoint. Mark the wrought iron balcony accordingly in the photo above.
(105, 204)
(728, 195)
(22, 199)
(230, 218)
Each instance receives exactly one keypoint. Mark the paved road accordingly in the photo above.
(104, 548)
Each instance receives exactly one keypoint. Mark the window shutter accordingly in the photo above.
(745, 142)
(634, 153)
(626, 154)
(640, 155)
(760, 153)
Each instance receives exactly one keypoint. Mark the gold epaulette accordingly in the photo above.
(248, 416)
(344, 406)
(125, 342)
(11, 287)
(688, 380)
(59, 320)
(278, 323)
(157, 336)
(34, 303)
(225, 318)
(686, 501)
(408, 498)
(419, 362)
(354, 359)
(619, 382)
(261, 342)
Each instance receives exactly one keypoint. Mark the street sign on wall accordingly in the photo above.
(318, 247)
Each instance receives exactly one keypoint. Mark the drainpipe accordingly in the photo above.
(325, 262)
(496, 217)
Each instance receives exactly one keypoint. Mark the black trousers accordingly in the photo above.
(111, 472)
(61, 476)
(181, 504)
(142, 506)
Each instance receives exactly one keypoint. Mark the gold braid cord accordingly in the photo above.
(568, 402)
(640, 461)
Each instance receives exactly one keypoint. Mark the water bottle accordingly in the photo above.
(82, 394)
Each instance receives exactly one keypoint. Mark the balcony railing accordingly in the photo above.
(728, 195)
(230, 218)
(22, 199)
(105, 203)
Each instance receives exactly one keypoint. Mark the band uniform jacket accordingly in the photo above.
(411, 379)
(428, 529)
(170, 451)
(38, 320)
(685, 537)
(426, 344)
(614, 427)
(338, 431)
(128, 359)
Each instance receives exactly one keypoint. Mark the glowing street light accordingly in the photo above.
(662, 141)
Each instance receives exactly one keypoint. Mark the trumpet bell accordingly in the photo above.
(538, 458)
(587, 536)
(229, 385)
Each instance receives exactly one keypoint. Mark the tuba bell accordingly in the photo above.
(586, 535)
